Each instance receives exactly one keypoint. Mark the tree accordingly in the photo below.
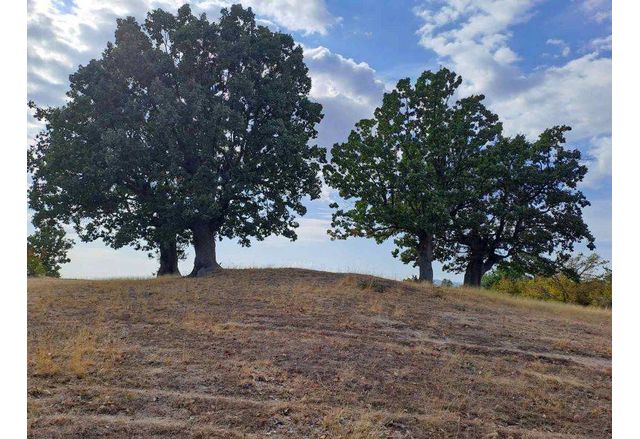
(35, 268)
(184, 129)
(585, 268)
(408, 167)
(47, 250)
(94, 166)
(527, 209)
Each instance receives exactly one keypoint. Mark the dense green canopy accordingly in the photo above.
(528, 210)
(437, 175)
(47, 250)
(183, 129)
(407, 168)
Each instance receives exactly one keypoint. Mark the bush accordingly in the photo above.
(47, 250)
(559, 288)
(446, 283)
(35, 267)
(492, 278)
(583, 280)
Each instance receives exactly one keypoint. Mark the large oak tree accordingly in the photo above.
(183, 129)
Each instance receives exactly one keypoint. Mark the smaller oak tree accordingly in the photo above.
(526, 209)
(406, 168)
(47, 250)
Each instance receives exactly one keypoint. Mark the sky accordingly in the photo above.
(539, 63)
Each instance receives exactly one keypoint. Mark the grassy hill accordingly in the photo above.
(298, 353)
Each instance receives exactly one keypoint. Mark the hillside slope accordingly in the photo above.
(298, 353)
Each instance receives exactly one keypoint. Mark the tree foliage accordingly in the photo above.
(47, 250)
(409, 166)
(438, 175)
(526, 210)
(183, 129)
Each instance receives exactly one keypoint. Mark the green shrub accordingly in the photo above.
(446, 283)
(583, 280)
(47, 250)
(35, 267)
(492, 278)
(559, 288)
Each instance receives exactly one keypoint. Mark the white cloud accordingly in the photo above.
(327, 193)
(577, 94)
(601, 44)
(565, 50)
(348, 90)
(306, 16)
(313, 230)
(334, 75)
(309, 16)
(599, 161)
(597, 10)
(310, 231)
(473, 38)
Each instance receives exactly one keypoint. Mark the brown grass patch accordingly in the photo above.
(296, 353)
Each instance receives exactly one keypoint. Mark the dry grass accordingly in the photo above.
(296, 353)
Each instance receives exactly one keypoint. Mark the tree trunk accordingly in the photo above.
(474, 272)
(168, 258)
(204, 243)
(425, 259)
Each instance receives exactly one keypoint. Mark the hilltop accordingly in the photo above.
(299, 353)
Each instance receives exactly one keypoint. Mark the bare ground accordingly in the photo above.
(297, 353)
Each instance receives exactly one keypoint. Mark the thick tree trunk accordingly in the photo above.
(474, 272)
(425, 259)
(204, 243)
(168, 258)
(476, 268)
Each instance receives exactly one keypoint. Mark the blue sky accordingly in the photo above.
(540, 63)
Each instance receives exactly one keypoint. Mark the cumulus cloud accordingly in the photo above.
(577, 94)
(335, 75)
(473, 39)
(348, 91)
(599, 161)
(307, 16)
